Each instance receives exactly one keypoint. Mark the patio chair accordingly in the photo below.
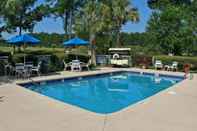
(158, 64)
(86, 65)
(75, 65)
(19, 70)
(36, 69)
(174, 66)
(66, 65)
(8, 69)
(28, 69)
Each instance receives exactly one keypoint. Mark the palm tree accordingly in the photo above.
(92, 19)
(104, 16)
(122, 12)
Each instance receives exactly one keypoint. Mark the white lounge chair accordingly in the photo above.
(19, 70)
(174, 66)
(86, 65)
(37, 68)
(158, 64)
(75, 65)
(66, 65)
(28, 69)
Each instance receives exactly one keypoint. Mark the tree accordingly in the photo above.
(121, 12)
(104, 17)
(92, 18)
(22, 14)
(172, 26)
(162, 4)
(50, 40)
(66, 10)
(2, 5)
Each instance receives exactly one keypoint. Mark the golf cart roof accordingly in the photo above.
(120, 49)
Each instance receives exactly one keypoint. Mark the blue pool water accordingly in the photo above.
(106, 93)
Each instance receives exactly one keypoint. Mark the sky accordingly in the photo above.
(144, 12)
(51, 25)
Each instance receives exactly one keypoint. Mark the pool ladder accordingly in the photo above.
(34, 82)
(157, 79)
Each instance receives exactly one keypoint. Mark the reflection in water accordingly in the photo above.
(118, 83)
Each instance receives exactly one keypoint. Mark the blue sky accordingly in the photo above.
(51, 25)
(145, 14)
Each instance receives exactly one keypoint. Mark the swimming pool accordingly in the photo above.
(106, 93)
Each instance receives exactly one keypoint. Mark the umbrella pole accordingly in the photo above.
(77, 57)
(24, 59)
(24, 55)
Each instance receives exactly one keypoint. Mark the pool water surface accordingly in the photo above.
(105, 93)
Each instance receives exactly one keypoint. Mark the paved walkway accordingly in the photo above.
(174, 109)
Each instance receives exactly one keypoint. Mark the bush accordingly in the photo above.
(52, 65)
(55, 64)
(19, 58)
(3, 63)
(142, 60)
(1, 68)
(180, 59)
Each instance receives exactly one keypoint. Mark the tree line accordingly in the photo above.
(94, 17)
(172, 28)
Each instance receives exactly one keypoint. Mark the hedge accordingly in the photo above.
(142, 60)
(55, 63)
(57, 56)
(180, 59)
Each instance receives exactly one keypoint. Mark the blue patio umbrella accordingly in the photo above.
(76, 42)
(23, 40)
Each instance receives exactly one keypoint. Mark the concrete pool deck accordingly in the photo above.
(174, 109)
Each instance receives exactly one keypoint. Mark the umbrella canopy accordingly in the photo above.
(21, 39)
(76, 42)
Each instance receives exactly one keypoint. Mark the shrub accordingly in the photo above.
(3, 63)
(142, 60)
(19, 58)
(51, 64)
(55, 64)
(1, 68)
